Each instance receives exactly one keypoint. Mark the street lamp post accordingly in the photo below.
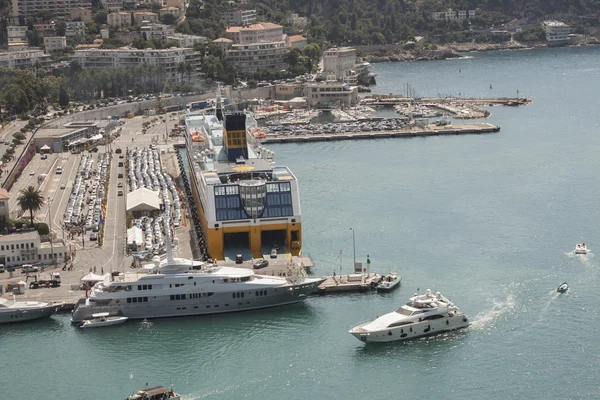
(353, 248)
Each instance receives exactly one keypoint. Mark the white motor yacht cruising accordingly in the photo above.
(581, 248)
(423, 315)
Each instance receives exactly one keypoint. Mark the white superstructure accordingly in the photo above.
(423, 315)
(181, 287)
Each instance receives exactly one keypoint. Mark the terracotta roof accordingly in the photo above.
(3, 194)
(296, 38)
(232, 29)
(222, 40)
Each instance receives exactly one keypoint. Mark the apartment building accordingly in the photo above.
(140, 16)
(224, 44)
(27, 8)
(258, 56)
(28, 248)
(264, 32)
(452, 15)
(169, 59)
(339, 63)
(53, 43)
(24, 58)
(16, 34)
(45, 29)
(119, 18)
(325, 94)
(239, 16)
(81, 14)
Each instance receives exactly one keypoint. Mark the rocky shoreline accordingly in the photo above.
(455, 50)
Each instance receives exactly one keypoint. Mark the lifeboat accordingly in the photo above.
(197, 136)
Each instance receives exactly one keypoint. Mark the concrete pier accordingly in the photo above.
(429, 130)
(349, 283)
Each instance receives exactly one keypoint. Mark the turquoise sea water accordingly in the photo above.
(489, 221)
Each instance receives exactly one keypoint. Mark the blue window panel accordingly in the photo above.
(286, 198)
(221, 215)
(220, 202)
(287, 211)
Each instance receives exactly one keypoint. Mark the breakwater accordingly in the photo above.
(428, 130)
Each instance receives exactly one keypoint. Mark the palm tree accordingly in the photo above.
(31, 199)
(189, 69)
(181, 70)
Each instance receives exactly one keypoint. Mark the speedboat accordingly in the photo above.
(155, 393)
(423, 315)
(581, 248)
(562, 288)
(100, 320)
(389, 282)
(19, 311)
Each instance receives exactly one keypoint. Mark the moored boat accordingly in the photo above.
(562, 288)
(581, 248)
(389, 282)
(155, 393)
(19, 311)
(100, 320)
(423, 315)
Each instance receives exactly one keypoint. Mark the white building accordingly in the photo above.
(54, 43)
(28, 248)
(112, 5)
(297, 22)
(4, 202)
(339, 64)
(24, 58)
(119, 18)
(557, 33)
(239, 17)
(27, 8)
(169, 59)
(184, 40)
(325, 94)
(264, 32)
(156, 31)
(16, 34)
(451, 15)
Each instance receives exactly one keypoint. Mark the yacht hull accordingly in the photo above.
(411, 331)
(22, 315)
(162, 307)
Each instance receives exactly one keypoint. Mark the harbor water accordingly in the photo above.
(488, 220)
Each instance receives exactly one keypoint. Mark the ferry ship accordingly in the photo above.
(246, 204)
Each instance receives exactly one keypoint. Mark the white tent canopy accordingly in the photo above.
(91, 277)
(143, 199)
(134, 235)
(45, 147)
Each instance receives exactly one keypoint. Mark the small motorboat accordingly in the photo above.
(562, 288)
(99, 320)
(581, 248)
(389, 282)
(155, 393)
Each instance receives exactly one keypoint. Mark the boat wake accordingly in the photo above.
(487, 318)
(585, 259)
(553, 296)
(145, 324)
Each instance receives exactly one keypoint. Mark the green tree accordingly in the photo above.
(30, 199)
(63, 97)
(61, 28)
(101, 17)
(169, 19)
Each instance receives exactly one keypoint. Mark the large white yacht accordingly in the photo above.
(423, 315)
(181, 287)
(19, 311)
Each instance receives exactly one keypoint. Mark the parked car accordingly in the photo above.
(27, 268)
(120, 193)
(120, 184)
(239, 259)
(261, 264)
(93, 236)
(1, 268)
(273, 253)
